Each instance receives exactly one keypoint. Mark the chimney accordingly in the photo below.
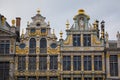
(18, 20)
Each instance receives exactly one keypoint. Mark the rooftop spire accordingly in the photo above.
(38, 11)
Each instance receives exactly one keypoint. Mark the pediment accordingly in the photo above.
(6, 33)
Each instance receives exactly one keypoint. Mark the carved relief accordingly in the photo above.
(69, 40)
(53, 50)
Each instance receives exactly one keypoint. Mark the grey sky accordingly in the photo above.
(58, 11)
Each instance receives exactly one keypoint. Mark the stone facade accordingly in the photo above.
(85, 54)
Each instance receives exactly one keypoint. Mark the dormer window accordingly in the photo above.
(43, 30)
(38, 24)
(32, 30)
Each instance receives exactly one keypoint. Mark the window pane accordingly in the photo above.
(43, 45)
(87, 39)
(21, 78)
(42, 78)
(32, 45)
(21, 63)
(43, 63)
(32, 63)
(113, 65)
(53, 62)
(76, 40)
(87, 63)
(53, 78)
(98, 62)
(66, 63)
(77, 63)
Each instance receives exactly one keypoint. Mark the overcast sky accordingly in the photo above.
(58, 11)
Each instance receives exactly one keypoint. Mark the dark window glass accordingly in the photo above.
(42, 78)
(53, 62)
(98, 62)
(32, 63)
(113, 65)
(66, 63)
(4, 47)
(66, 78)
(87, 39)
(32, 30)
(87, 62)
(31, 78)
(53, 78)
(43, 30)
(87, 78)
(21, 78)
(53, 45)
(38, 24)
(43, 63)
(21, 62)
(32, 45)
(98, 78)
(76, 40)
(4, 70)
(77, 63)
(22, 45)
(77, 78)
(43, 45)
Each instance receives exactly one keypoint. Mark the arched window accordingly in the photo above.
(32, 45)
(43, 45)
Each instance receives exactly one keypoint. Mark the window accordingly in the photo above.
(43, 30)
(87, 78)
(22, 45)
(66, 78)
(97, 62)
(87, 39)
(38, 24)
(53, 78)
(21, 62)
(32, 63)
(43, 63)
(31, 78)
(77, 63)
(113, 65)
(32, 45)
(77, 78)
(53, 45)
(42, 78)
(87, 62)
(66, 63)
(98, 78)
(32, 30)
(21, 78)
(76, 39)
(4, 70)
(4, 46)
(43, 45)
(53, 62)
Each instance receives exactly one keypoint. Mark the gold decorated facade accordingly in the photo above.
(85, 54)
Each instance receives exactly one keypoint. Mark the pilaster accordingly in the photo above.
(92, 62)
(48, 63)
(82, 62)
(71, 62)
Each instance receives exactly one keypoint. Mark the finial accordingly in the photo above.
(67, 24)
(28, 23)
(38, 11)
(48, 23)
(81, 11)
(53, 31)
(95, 25)
(13, 22)
(3, 20)
(61, 33)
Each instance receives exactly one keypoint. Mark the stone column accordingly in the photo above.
(11, 70)
(103, 62)
(82, 40)
(82, 63)
(59, 66)
(108, 65)
(92, 77)
(27, 63)
(71, 62)
(119, 65)
(92, 62)
(37, 62)
(48, 62)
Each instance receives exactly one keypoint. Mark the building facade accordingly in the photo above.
(85, 54)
